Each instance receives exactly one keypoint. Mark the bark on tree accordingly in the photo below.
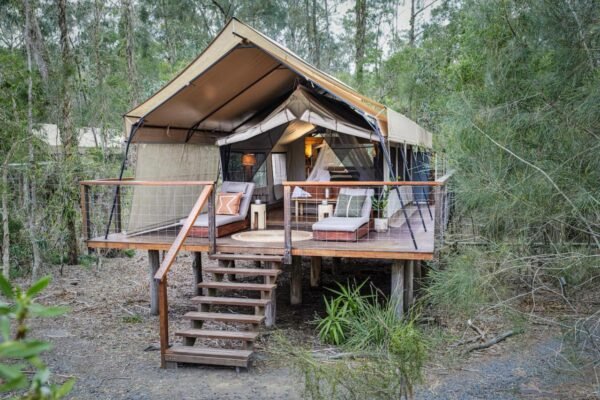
(67, 133)
(128, 27)
(29, 181)
(360, 10)
(34, 33)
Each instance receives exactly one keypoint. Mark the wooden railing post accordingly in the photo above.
(163, 316)
(118, 210)
(287, 224)
(438, 222)
(212, 229)
(85, 210)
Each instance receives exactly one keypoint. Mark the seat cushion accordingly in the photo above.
(340, 224)
(349, 205)
(220, 220)
(228, 203)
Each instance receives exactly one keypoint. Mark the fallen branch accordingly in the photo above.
(492, 342)
(476, 329)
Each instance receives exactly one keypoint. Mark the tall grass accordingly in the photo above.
(380, 355)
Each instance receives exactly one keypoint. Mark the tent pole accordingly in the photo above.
(134, 130)
(388, 159)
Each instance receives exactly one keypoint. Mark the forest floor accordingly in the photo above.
(108, 342)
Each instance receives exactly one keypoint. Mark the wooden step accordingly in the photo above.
(224, 317)
(208, 356)
(246, 257)
(230, 301)
(243, 271)
(231, 335)
(261, 287)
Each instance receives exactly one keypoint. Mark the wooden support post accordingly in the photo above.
(287, 225)
(335, 265)
(163, 320)
(118, 212)
(397, 294)
(408, 284)
(271, 309)
(296, 281)
(228, 264)
(197, 272)
(418, 275)
(315, 272)
(153, 264)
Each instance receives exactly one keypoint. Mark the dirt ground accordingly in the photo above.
(108, 342)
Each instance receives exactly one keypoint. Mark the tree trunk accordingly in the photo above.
(5, 227)
(34, 35)
(360, 36)
(128, 28)
(68, 137)
(29, 180)
(411, 29)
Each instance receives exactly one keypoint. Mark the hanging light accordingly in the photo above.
(308, 150)
(248, 160)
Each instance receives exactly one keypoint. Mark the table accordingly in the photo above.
(324, 211)
(258, 216)
(299, 203)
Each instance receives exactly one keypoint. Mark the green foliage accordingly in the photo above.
(335, 325)
(379, 203)
(462, 287)
(19, 354)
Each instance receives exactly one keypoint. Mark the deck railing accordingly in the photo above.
(103, 209)
(403, 215)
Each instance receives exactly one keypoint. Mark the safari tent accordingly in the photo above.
(252, 154)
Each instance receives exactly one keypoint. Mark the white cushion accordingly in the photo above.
(220, 220)
(340, 224)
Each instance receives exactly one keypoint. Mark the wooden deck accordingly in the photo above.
(394, 244)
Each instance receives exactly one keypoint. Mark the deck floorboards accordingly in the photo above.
(394, 244)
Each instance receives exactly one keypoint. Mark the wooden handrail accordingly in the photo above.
(116, 182)
(183, 233)
(363, 183)
(444, 179)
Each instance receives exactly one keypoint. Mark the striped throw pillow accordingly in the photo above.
(229, 203)
(349, 205)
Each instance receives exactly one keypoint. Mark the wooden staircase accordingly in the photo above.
(241, 327)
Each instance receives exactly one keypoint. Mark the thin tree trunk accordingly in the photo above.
(30, 189)
(5, 227)
(68, 137)
(36, 41)
(127, 18)
(360, 36)
(413, 18)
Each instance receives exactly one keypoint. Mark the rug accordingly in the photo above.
(271, 236)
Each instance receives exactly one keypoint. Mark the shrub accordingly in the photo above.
(17, 352)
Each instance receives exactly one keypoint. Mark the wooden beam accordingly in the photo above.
(183, 233)
(296, 281)
(361, 183)
(397, 293)
(85, 211)
(408, 284)
(153, 265)
(315, 271)
(197, 272)
(271, 308)
(163, 306)
(287, 224)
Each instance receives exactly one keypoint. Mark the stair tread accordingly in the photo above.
(246, 257)
(238, 285)
(243, 271)
(210, 352)
(204, 333)
(231, 301)
(224, 317)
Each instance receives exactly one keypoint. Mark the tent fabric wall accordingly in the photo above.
(158, 206)
(404, 130)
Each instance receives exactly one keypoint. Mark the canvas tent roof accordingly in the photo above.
(239, 75)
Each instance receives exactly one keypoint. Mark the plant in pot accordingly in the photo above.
(379, 203)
